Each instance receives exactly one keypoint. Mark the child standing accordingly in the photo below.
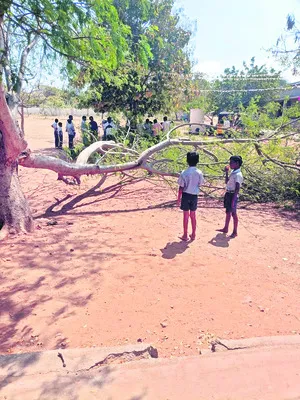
(189, 182)
(60, 135)
(156, 128)
(55, 126)
(70, 129)
(233, 185)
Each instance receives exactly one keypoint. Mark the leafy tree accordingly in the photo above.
(156, 60)
(237, 87)
(86, 34)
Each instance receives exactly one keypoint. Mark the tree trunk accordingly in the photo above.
(15, 215)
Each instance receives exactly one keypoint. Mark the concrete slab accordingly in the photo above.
(262, 373)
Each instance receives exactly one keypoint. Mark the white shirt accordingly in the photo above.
(190, 180)
(54, 126)
(226, 124)
(235, 177)
(166, 126)
(108, 126)
(70, 129)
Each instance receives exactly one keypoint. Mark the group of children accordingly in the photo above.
(190, 181)
(89, 130)
(58, 132)
(155, 128)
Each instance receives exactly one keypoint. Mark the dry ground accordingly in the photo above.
(113, 270)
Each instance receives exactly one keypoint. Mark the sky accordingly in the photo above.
(230, 32)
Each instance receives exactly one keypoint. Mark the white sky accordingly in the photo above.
(230, 32)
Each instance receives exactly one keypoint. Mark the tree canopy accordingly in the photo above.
(237, 87)
(158, 57)
(85, 35)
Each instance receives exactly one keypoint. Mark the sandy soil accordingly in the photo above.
(113, 270)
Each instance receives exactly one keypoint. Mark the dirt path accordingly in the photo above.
(113, 270)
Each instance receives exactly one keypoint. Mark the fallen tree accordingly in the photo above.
(15, 215)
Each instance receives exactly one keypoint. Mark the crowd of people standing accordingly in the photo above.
(156, 128)
(89, 130)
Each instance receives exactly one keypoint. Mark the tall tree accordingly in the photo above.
(86, 34)
(157, 59)
(237, 87)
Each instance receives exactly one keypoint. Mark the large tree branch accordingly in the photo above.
(64, 168)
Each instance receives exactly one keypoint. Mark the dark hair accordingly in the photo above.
(147, 121)
(192, 158)
(155, 121)
(84, 117)
(237, 159)
(69, 121)
(56, 120)
(71, 117)
(91, 118)
(109, 119)
(60, 124)
(165, 118)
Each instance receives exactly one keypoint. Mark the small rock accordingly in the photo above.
(71, 250)
(52, 223)
(139, 340)
(163, 324)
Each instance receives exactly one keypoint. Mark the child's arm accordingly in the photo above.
(180, 190)
(226, 169)
(236, 192)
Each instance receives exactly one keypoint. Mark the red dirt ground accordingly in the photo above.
(113, 269)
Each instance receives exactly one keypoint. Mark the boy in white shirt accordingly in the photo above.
(60, 135)
(55, 126)
(189, 182)
(233, 185)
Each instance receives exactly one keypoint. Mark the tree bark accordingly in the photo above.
(15, 215)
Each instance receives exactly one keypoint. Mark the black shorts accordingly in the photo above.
(189, 202)
(228, 202)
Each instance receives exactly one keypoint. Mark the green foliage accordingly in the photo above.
(74, 153)
(236, 88)
(88, 35)
(49, 96)
(147, 80)
(257, 120)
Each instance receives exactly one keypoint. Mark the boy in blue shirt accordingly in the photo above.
(189, 182)
(233, 185)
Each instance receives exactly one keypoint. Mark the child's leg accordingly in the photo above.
(185, 225)
(235, 224)
(226, 226)
(194, 224)
(56, 139)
